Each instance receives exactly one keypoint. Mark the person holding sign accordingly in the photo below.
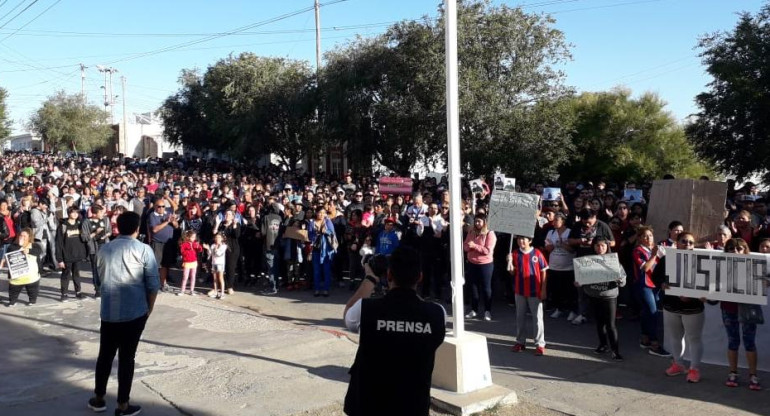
(562, 274)
(29, 280)
(737, 321)
(683, 317)
(528, 267)
(645, 259)
(603, 298)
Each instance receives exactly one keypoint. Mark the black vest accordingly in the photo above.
(391, 375)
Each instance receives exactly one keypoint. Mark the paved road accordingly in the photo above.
(283, 355)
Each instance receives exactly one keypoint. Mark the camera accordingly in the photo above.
(378, 263)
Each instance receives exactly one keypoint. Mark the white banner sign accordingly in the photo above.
(512, 212)
(597, 269)
(717, 275)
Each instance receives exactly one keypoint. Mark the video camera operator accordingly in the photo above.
(399, 335)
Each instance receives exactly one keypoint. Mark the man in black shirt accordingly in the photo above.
(399, 335)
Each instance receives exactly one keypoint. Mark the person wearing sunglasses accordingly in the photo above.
(683, 318)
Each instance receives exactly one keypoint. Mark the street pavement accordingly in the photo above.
(288, 355)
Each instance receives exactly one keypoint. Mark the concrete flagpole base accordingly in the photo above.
(462, 378)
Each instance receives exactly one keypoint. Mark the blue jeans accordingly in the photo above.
(648, 300)
(318, 269)
(480, 278)
(270, 264)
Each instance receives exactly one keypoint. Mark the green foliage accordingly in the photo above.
(5, 123)
(386, 95)
(245, 106)
(63, 120)
(732, 128)
(622, 138)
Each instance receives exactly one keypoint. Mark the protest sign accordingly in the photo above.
(476, 187)
(597, 269)
(633, 195)
(699, 205)
(499, 181)
(552, 194)
(510, 185)
(717, 275)
(394, 185)
(296, 233)
(512, 212)
(22, 268)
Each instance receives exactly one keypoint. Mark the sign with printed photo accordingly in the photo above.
(499, 181)
(476, 187)
(22, 268)
(552, 194)
(633, 196)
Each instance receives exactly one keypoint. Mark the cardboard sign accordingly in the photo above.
(633, 196)
(717, 275)
(22, 268)
(597, 269)
(390, 185)
(510, 185)
(552, 194)
(296, 233)
(699, 205)
(513, 213)
(499, 181)
(476, 187)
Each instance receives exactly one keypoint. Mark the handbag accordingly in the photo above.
(750, 314)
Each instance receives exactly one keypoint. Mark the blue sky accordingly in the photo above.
(645, 45)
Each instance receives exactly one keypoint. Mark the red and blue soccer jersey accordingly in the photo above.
(529, 269)
(641, 255)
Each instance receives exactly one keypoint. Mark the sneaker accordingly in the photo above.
(179, 293)
(518, 348)
(165, 288)
(218, 296)
(270, 292)
(131, 410)
(659, 351)
(97, 294)
(325, 293)
(571, 317)
(645, 345)
(32, 303)
(316, 294)
(212, 293)
(616, 356)
(754, 383)
(601, 349)
(556, 314)
(732, 379)
(675, 370)
(580, 319)
(540, 351)
(230, 291)
(63, 298)
(11, 304)
(487, 316)
(79, 295)
(97, 405)
(693, 375)
(470, 315)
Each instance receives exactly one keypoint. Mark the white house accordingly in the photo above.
(25, 141)
(142, 137)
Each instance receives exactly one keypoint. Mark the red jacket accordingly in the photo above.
(190, 250)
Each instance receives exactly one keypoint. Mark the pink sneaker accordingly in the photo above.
(693, 375)
(674, 370)
(540, 351)
(732, 380)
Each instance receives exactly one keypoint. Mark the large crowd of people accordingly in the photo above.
(230, 226)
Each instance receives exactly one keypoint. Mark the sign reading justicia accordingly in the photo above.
(717, 275)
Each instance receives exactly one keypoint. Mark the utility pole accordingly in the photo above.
(317, 39)
(109, 99)
(83, 83)
(124, 129)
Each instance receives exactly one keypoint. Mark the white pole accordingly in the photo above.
(453, 145)
(317, 38)
(123, 147)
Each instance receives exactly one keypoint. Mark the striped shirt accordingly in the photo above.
(529, 270)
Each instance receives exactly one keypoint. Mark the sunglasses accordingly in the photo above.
(687, 242)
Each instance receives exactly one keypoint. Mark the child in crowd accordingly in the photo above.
(189, 248)
(528, 267)
(217, 255)
(603, 298)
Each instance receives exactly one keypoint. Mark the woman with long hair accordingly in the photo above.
(321, 235)
(645, 258)
(31, 282)
(480, 246)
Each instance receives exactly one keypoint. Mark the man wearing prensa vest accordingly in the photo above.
(399, 335)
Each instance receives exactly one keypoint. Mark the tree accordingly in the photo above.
(183, 114)
(385, 96)
(5, 123)
(63, 121)
(622, 138)
(732, 127)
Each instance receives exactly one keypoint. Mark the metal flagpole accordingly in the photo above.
(453, 144)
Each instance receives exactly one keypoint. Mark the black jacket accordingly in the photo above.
(71, 242)
(391, 375)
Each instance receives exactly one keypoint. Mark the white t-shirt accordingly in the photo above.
(560, 258)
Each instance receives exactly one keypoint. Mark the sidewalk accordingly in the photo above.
(288, 354)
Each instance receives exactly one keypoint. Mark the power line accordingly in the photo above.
(19, 13)
(228, 33)
(33, 19)
(12, 10)
(605, 6)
